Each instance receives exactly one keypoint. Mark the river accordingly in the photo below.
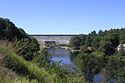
(62, 55)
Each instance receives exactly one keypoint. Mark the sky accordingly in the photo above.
(64, 16)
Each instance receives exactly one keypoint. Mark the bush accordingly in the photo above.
(26, 68)
(116, 68)
(90, 64)
(25, 45)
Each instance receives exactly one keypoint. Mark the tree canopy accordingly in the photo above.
(24, 45)
(97, 53)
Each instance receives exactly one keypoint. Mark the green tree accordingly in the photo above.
(96, 42)
(9, 31)
(82, 39)
(27, 48)
(90, 64)
(43, 59)
(75, 42)
(116, 68)
(86, 49)
(106, 47)
(122, 38)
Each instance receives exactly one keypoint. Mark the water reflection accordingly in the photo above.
(100, 78)
(63, 59)
(61, 54)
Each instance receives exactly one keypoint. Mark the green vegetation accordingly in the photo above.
(24, 62)
(20, 54)
(21, 66)
(33, 72)
(25, 46)
(97, 53)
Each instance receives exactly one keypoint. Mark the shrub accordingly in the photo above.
(21, 66)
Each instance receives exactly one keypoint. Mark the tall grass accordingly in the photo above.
(21, 66)
(29, 70)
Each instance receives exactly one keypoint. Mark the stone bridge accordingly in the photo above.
(58, 39)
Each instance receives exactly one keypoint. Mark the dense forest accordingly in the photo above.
(21, 60)
(98, 53)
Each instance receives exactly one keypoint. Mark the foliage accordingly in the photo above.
(6, 77)
(93, 53)
(116, 68)
(35, 73)
(9, 31)
(106, 47)
(106, 40)
(99, 52)
(122, 38)
(43, 59)
(18, 58)
(25, 45)
(75, 42)
(21, 66)
(27, 48)
(90, 64)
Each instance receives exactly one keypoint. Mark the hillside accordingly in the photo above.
(21, 61)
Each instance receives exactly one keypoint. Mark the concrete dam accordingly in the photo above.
(57, 39)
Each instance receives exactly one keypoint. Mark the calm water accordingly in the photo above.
(61, 54)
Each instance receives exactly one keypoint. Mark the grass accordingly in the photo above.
(28, 72)
(20, 65)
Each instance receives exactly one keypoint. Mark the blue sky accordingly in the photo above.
(64, 16)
